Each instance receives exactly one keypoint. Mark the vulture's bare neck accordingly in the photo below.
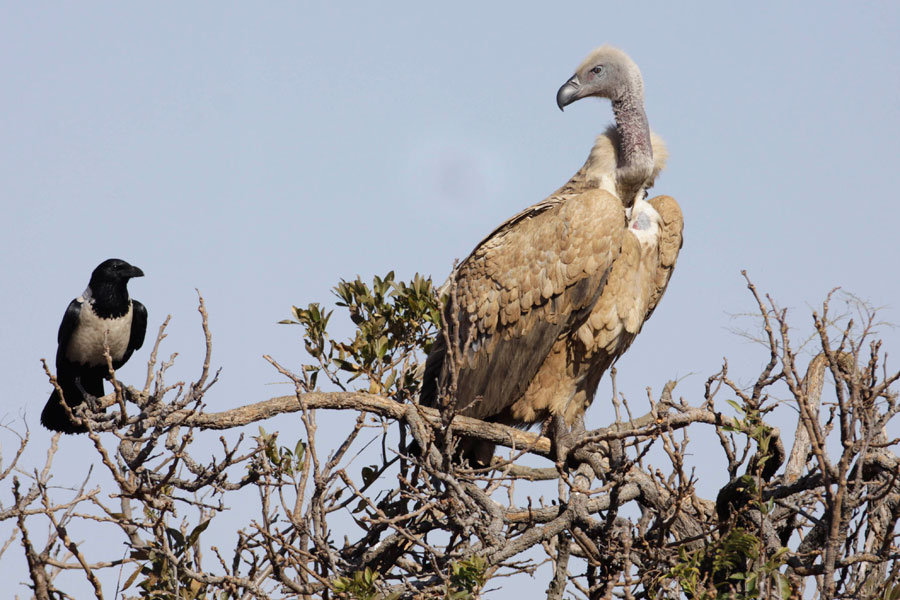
(635, 153)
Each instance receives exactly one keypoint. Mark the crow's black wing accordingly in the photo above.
(69, 323)
(138, 328)
(54, 416)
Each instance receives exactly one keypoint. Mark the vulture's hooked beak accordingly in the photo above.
(568, 93)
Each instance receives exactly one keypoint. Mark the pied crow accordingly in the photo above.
(103, 315)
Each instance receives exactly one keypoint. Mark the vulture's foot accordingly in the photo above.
(563, 438)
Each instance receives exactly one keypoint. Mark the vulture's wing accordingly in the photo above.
(619, 312)
(532, 280)
(567, 379)
(670, 241)
(636, 283)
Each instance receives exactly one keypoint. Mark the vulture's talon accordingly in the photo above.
(563, 439)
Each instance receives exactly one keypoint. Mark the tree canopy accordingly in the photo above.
(805, 512)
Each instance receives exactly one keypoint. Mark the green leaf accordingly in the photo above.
(299, 450)
(736, 406)
(784, 585)
(195, 533)
(130, 581)
(176, 535)
(345, 365)
(139, 554)
(392, 376)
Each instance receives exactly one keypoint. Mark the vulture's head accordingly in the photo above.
(607, 72)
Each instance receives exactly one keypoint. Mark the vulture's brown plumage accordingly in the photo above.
(553, 296)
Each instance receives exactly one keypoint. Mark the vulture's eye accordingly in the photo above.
(597, 70)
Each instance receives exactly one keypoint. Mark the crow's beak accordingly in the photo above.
(135, 272)
(568, 93)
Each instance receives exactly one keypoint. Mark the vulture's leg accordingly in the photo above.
(562, 437)
(616, 453)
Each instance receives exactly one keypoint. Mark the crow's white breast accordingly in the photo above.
(93, 333)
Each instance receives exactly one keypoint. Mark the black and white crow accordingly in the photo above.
(103, 315)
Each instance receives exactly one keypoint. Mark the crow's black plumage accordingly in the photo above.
(102, 316)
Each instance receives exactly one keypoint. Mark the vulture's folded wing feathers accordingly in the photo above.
(670, 240)
(536, 277)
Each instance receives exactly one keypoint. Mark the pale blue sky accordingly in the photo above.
(262, 152)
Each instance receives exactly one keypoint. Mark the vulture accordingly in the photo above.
(103, 316)
(552, 297)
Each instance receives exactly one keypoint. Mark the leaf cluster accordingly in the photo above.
(163, 578)
(394, 321)
(467, 577)
(730, 568)
(281, 460)
(358, 586)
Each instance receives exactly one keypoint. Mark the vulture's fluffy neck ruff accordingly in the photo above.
(604, 167)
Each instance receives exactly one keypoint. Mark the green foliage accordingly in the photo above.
(750, 423)
(393, 320)
(281, 460)
(360, 586)
(734, 566)
(466, 578)
(688, 573)
(713, 570)
(164, 579)
(731, 567)
(891, 592)
(734, 551)
(765, 574)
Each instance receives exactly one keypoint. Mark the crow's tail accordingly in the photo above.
(54, 416)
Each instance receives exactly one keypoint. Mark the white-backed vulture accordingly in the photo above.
(552, 297)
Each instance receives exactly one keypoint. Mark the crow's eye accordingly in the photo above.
(597, 70)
